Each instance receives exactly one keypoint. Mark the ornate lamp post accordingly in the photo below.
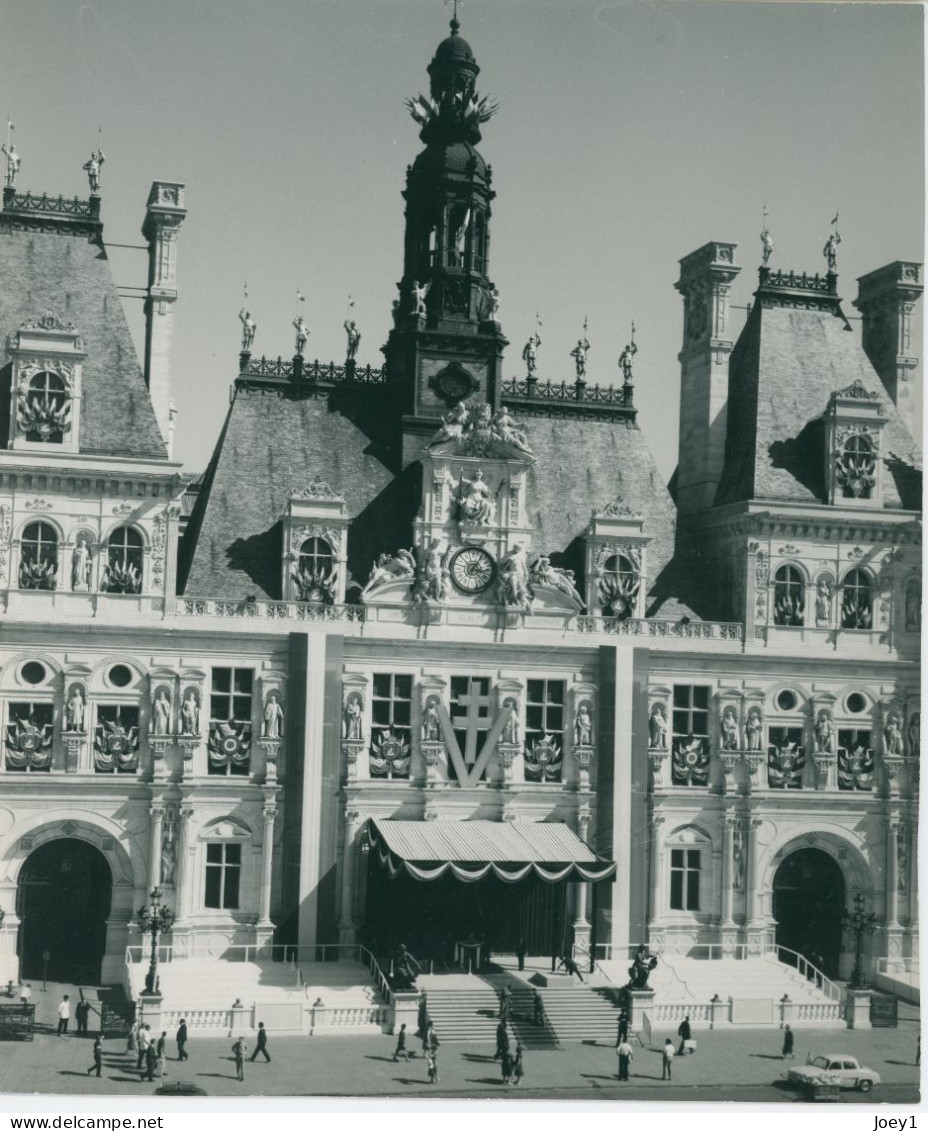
(154, 920)
(859, 923)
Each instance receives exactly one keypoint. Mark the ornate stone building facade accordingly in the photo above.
(455, 658)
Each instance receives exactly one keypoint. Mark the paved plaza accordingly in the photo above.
(729, 1064)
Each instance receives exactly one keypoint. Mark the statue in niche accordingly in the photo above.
(80, 567)
(530, 353)
(657, 727)
(578, 353)
(354, 339)
(823, 602)
(248, 329)
(738, 861)
(353, 716)
(544, 573)
(273, 717)
(419, 292)
(510, 735)
(75, 710)
(730, 729)
(491, 304)
(190, 713)
(431, 723)
(825, 733)
(452, 426)
(13, 161)
(168, 854)
(754, 729)
(583, 724)
(892, 737)
(915, 734)
(302, 334)
(513, 579)
(161, 713)
(93, 168)
(475, 503)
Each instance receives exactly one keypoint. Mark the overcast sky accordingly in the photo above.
(629, 134)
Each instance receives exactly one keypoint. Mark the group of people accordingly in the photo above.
(430, 1043)
(151, 1053)
(82, 1012)
(510, 1062)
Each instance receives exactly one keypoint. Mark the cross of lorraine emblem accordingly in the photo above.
(471, 763)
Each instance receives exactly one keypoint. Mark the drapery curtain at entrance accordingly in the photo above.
(474, 850)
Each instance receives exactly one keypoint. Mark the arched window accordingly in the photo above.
(789, 596)
(619, 583)
(857, 600)
(123, 573)
(38, 561)
(856, 468)
(44, 410)
(315, 575)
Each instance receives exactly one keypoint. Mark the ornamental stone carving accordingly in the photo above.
(657, 725)
(474, 430)
(272, 725)
(400, 566)
(729, 728)
(824, 733)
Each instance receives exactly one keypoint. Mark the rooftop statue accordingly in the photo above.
(302, 334)
(419, 292)
(13, 161)
(92, 168)
(530, 353)
(578, 353)
(767, 244)
(248, 329)
(625, 361)
(354, 339)
(830, 250)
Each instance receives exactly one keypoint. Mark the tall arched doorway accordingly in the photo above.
(63, 901)
(808, 898)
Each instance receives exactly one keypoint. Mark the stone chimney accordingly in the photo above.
(886, 298)
(705, 280)
(163, 217)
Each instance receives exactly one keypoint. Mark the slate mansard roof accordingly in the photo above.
(64, 269)
(784, 367)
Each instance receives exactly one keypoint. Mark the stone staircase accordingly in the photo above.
(472, 1014)
(584, 1013)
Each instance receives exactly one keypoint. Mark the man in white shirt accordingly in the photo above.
(144, 1042)
(669, 1050)
(25, 994)
(624, 1052)
(64, 1015)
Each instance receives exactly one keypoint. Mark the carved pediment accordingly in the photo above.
(475, 430)
(225, 830)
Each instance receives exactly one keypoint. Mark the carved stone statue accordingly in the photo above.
(578, 353)
(657, 727)
(353, 720)
(504, 426)
(431, 724)
(13, 161)
(75, 710)
(432, 579)
(80, 567)
(824, 733)
(419, 292)
(767, 245)
(544, 573)
(730, 729)
(161, 713)
(475, 503)
(452, 427)
(168, 855)
(302, 334)
(510, 735)
(583, 725)
(830, 250)
(273, 717)
(625, 361)
(248, 329)
(493, 302)
(354, 339)
(93, 167)
(190, 713)
(914, 735)
(892, 737)
(754, 729)
(823, 602)
(530, 353)
(391, 567)
(513, 579)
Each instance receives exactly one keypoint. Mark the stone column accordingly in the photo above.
(172, 517)
(267, 858)
(163, 218)
(729, 824)
(346, 923)
(751, 885)
(181, 873)
(156, 812)
(582, 894)
(656, 864)
(892, 873)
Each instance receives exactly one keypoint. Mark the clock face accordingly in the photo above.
(472, 570)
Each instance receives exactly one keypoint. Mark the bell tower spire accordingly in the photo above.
(447, 344)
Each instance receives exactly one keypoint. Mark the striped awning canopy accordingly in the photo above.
(474, 850)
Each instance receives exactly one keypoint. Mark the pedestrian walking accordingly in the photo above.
(622, 1034)
(520, 953)
(685, 1034)
(431, 1038)
(518, 1070)
(81, 1010)
(505, 1003)
(401, 1045)
(161, 1045)
(667, 1063)
(432, 1062)
(623, 1051)
(97, 1057)
(151, 1062)
(787, 1043)
(144, 1042)
(64, 1015)
(506, 1066)
(502, 1040)
(25, 994)
(132, 1041)
(181, 1039)
(538, 1009)
(261, 1045)
(239, 1049)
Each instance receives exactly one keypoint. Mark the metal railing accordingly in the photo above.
(326, 373)
(695, 630)
(270, 610)
(809, 971)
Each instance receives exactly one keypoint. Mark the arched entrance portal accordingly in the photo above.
(63, 900)
(808, 897)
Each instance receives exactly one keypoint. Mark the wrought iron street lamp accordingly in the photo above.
(154, 920)
(858, 923)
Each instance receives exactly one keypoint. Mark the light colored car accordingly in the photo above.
(834, 1068)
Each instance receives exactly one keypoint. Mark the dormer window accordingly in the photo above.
(854, 425)
(855, 468)
(315, 572)
(43, 410)
(38, 559)
(619, 584)
(857, 600)
(315, 545)
(48, 359)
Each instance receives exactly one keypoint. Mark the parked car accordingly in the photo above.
(180, 1088)
(834, 1068)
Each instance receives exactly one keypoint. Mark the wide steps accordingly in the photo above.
(473, 1015)
(582, 1014)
